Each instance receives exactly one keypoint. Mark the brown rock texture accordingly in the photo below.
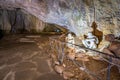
(115, 48)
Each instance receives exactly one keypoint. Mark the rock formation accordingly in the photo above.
(16, 21)
(75, 15)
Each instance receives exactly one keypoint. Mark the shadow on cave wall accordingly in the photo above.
(17, 21)
(12, 21)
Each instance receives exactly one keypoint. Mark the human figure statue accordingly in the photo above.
(91, 41)
(70, 41)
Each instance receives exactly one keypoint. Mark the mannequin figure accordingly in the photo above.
(91, 41)
(70, 41)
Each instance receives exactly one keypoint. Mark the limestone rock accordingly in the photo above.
(59, 69)
(89, 53)
(71, 56)
(77, 15)
(107, 51)
(67, 75)
(77, 50)
(103, 44)
(71, 53)
(80, 55)
(82, 58)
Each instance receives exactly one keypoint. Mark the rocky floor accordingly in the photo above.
(25, 60)
(27, 57)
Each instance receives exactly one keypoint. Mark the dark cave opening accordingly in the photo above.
(17, 21)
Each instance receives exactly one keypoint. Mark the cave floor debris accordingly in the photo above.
(81, 66)
(28, 57)
(25, 58)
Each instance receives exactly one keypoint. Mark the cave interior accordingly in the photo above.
(47, 40)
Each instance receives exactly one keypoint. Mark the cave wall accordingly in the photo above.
(76, 15)
(17, 21)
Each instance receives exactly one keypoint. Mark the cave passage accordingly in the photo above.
(24, 46)
(42, 40)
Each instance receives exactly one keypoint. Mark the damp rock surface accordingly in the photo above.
(25, 60)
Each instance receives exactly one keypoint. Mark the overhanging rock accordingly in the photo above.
(76, 15)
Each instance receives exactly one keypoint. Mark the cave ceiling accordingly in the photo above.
(75, 15)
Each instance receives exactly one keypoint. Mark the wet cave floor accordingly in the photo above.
(24, 59)
(27, 57)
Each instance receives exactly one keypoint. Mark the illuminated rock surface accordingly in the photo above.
(25, 59)
(76, 15)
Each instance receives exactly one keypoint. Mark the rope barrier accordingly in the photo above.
(106, 54)
(61, 55)
(108, 71)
